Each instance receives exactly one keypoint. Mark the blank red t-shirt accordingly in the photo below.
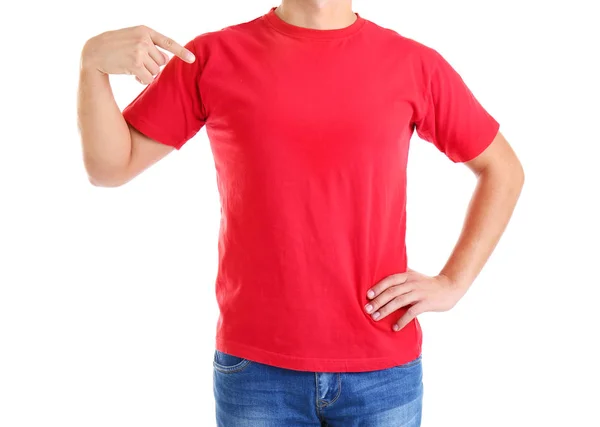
(310, 132)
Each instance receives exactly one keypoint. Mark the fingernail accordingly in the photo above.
(369, 307)
(370, 294)
(396, 328)
(376, 315)
(190, 56)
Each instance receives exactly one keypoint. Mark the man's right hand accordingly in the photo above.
(132, 51)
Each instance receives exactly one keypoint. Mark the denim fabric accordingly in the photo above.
(252, 394)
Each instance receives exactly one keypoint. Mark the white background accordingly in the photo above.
(107, 306)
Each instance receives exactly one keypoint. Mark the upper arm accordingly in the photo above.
(166, 113)
(144, 152)
(497, 157)
(169, 110)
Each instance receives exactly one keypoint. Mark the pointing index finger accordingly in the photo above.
(173, 47)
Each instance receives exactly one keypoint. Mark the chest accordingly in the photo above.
(307, 104)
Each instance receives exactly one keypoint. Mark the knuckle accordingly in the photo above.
(412, 311)
(168, 42)
(397, 277)
(138, 58)
(390, 293)
(376, 303)
(399, 301)
(395, 290)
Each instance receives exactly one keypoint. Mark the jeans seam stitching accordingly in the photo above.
(236, 368)
(317, 396)
(327, 403)
(409, 364)
(339, 389)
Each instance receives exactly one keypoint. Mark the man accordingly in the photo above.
(309, 110)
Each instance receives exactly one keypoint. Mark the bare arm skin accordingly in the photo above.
(500, 178)
(114, 152)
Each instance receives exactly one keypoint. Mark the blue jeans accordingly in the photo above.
(252, 394)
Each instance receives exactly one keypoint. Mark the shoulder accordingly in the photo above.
(406, 47)
(227, 34)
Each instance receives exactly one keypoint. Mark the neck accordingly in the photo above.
(317, 14)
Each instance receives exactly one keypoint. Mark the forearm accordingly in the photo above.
(488, 214)
(105, 136)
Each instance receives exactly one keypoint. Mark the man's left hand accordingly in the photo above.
(420, 292)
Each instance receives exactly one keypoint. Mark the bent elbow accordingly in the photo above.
(105, 174)
(106, 179)
(105, 183)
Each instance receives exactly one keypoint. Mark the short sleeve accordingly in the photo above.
(452, 118)
(169, 110)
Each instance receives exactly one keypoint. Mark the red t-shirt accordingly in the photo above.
(310, 132)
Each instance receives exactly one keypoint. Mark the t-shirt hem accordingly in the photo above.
(315, 364)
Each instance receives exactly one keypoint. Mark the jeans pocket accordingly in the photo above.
(409, 364)
(228, 363)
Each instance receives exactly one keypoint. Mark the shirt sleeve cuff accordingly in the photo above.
(483, 141)
(150, 130)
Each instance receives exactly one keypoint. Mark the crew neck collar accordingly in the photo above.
(293, 30)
